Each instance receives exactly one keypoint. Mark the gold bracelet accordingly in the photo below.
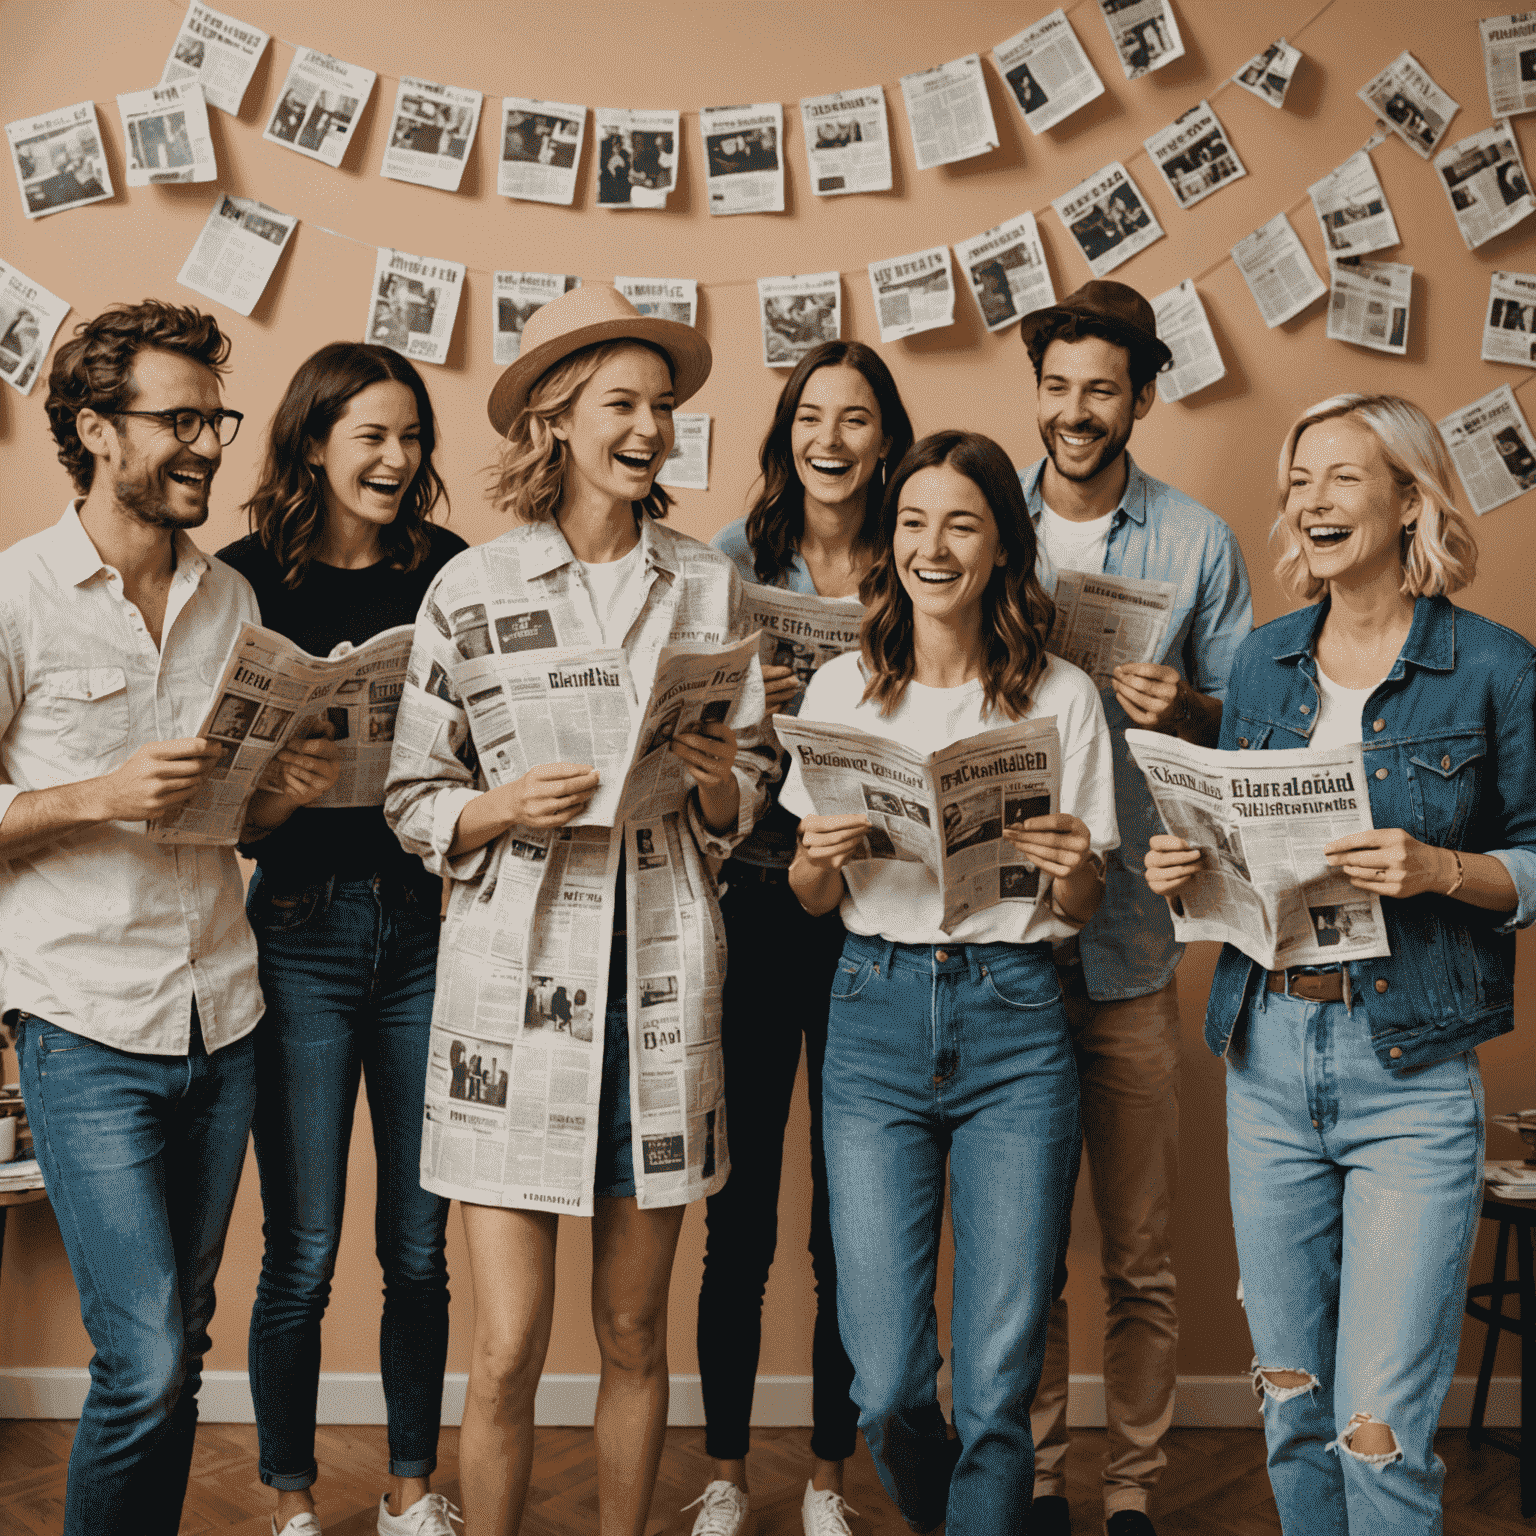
(1461, 874)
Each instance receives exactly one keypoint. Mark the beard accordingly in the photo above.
(135, 490)
(1111, 446)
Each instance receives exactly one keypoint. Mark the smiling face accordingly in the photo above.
(1085, 406)
(370, 459)
(945, 546)
(836, 440)
(618, 431)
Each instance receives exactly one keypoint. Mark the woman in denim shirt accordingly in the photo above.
(1354, 1102)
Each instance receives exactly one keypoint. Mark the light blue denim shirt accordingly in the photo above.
(1156, 534)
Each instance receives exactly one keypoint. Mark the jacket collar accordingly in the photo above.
(1133, 502)
(1431, 642)
(544, 548)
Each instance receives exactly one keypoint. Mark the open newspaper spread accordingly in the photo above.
(1108, 217)
(1048, 71)
(946, 810)
(1370, 303)
(1184, 327)
(218, 52)
(1490, 444)
(514, 298)
(1274, 265)
(949, 113)
(236, 253)
(165, 130)
(1145, 32)
(801, 631)
(1352, 209)
(636, 157)
(1268, 75)
(1006, 269)
(429, 138)
(1410, 102)
(913, 293)
(1102, 621)
(672, 298)
(1262, 819)
(321, 100)
(1509, 61)
(540, 149)
(847, 142)
(744, 157)
(686, 468)
(413, 304)
(30, 316)
(798, 313)
(1485, 180)
(1194, 153)
(59, 161)
(1509, 330)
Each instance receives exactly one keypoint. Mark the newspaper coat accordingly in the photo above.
(532, 907)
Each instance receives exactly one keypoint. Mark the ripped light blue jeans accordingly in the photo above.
(1355, 1196)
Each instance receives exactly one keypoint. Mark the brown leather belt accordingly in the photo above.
(1324, 987)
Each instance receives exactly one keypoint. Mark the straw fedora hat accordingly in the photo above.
(585, 316)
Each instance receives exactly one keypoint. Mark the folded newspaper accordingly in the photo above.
(1268, 75)
(1262, 819)
(1048, 71)
(29, 318)
(1491, 446)
(945, 810)
(218, 52)
(847, 142)
(237, 252)
(1510, 1179)
(1414, 107)
(1102, 621)
(1352, 209)
(801, 631)
(1485, 180)
(1509, 331)
(166, 130)
(1509, 61)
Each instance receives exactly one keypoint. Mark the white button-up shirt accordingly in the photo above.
(102, 931)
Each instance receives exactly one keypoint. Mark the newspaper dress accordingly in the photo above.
(512, 1086)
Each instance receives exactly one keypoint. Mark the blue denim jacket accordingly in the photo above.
(1450, 757)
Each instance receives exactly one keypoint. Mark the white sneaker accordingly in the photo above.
(724, 1512)
(300, 1525)
(825, 1513)
(428, 1516)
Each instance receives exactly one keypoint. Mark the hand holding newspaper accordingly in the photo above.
(1102, 621)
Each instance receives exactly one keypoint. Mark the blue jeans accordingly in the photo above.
(348, 970)
(142, 1157)
(956, 1054)
(1355, 1195)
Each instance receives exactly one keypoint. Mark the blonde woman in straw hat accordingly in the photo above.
(585, 415)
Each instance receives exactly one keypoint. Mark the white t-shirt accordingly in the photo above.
(1075, 546)
(1338, 713)
(612, 585)
(900, 901)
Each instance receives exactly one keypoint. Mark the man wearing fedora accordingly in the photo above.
(1096, 356)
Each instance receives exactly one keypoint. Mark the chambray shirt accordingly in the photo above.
(1157, 534)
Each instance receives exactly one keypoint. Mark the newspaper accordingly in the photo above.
(744, 157)
(413, 303)
(1184, 327)
(540, 149)
(1509, 61)
(1485, 180)
(218, 52)
(1262, 820)
(1268, 75)
(913, 293)
(847, 142)
(58, 159)
(1006, 269)
(686, 468)
(1195, 155)
(1108, 218)
(1490, 444)
(1145, 34)
(1509, 332)
(1274, 265)
(1103, 621)
(429, 138)
(320, 102)
(1509, 1179)
(1352, 209)
(1048, 71)
(514, 297)
(946, 810)
(165, 135)
(236, 252)
(1369, 303)
(798, 313)
(801, 631)
(30, 317)
(672, 298)
(1411, 104)
(949, 113)
(636, 157)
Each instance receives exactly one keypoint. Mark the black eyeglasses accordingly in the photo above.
(188, 425)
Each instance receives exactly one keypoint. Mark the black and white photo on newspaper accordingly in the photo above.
(1108, 218)
(218, 52)
(636, 157)
(1047, 71)
(1274, 265)
(413, 303)
(1268, 75)
(1145, 33)
(540, 149)
(514, 298)
(1195, 155)
(1369, 303)
(686, 467)
(165, 131)
(1509, 327)
(1352, 209)
(913, 293)
(1006, 271)
(744, 157)
(949, 112)
(1185, 328)
(430, 133)
(1509, 62)
(1485, 179)
(319, 106)
(30, 317)
(670, 298)
(847, 142)
(798, 313)
(1491, 446)
(236, 252)
(59, 160)
(1405, 96)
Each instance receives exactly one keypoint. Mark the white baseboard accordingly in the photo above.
(357, 1397)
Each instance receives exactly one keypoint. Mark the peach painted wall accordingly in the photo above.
(1219, 446)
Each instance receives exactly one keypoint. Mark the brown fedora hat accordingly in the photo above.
(585, 316)
(1117, 304)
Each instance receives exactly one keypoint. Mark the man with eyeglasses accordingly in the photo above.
(129, 971)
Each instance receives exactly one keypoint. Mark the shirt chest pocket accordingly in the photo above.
(1445, 779)
(88, 708)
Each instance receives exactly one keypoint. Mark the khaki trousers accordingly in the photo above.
(1128, 1064)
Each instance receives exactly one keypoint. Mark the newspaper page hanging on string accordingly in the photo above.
(1261, 821)
(1006, 270)
(1274, 265)
(218, 52)
(1369, 303)
(1490, 444)
(1145, 34)
(798, 313)
(1108, 218)
(1102, 621)
(949, 113)
(1268, 75)
(431, 132)
(1509, 61)
(30, 317)
(913, 293)
(165, 135)
(1195, 155)
(540, 150)
(744, 157)
(636, 157)
(670, 298)
(1048, 72)
(59, 160)
(514, 297)
(1352, 209)
(1184, 327)
(1405, 97)
(847, 142)
(800, 630)
(413, 303)
(1509, 331)
(1485, 179)
(686, 468)
(236, 252)
(319, 106)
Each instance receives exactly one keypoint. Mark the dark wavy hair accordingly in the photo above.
(93, 370)
(1142, 362)
(777, 518)
(287, 508)
(1016, 612)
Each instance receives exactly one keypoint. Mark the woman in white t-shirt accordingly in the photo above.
(952, 1047)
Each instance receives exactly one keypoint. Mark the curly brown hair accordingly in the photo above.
(93, 370)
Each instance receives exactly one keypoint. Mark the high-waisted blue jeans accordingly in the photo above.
(1355, 1196)
(348, 969)
(960, 1055)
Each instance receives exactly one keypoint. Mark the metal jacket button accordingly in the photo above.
(1378, 725)
(1382, 983)
(1445, 762)
(1306, 709)
(941, 954)
(1381, 773)
(1395, 1052)
(1242, 741)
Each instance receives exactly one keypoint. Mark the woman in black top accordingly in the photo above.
(347, 924)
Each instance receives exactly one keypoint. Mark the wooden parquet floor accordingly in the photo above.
(1215, 1484)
